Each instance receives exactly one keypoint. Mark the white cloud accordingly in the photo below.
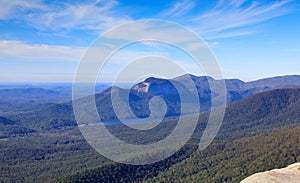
(12, 9)
(229, 15)
(228, 34)
(57, 16)
(152, 30)
(221, 21)
(91, 16)
(42, 52)
(179, 8)
(231, 18)
(21, 50)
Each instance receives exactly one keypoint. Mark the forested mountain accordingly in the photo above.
(60, 115)
(258, 131)
(262, 112)
(222, 161)
(23, 98)
(27, 99)
(11, 128)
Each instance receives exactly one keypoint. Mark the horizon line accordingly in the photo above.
(193, 75)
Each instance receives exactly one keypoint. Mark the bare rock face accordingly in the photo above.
(290, 174)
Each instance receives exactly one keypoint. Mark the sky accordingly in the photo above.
(44, 41)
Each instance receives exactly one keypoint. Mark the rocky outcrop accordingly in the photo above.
(290, 174)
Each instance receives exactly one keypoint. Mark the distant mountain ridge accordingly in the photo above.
(232, 85)
(28, 93)
(60, 115)
(19, 100)
(24, 98)
(262, 112)
(257, 132)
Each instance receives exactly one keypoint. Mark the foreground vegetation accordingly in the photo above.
(220, 162)
(68, 158)
(258, 133)
(44, 157)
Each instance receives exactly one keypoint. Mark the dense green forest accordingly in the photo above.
(54, 157)
(152, 91)
(258, 133)
(222, 161)
(43, 157)
(233, 161)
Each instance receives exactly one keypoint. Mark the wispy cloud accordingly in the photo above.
(95, 16)
(178, 9)
(228, 18)
(231, 18)
(229, 15)
(13, 9)
(39, 52)
(57, 16)
(228, 34)
(42, 52)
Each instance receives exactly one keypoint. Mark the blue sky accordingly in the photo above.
(43, 41)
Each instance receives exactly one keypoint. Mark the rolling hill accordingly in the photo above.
(20, 100)
(61, 115)
(261, 130)
(9, 128)
(222, 161)
(29, 97)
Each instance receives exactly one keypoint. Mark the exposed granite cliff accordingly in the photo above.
(290, 174)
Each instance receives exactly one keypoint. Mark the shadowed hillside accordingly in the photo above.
(244, 142)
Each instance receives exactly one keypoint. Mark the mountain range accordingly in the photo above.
(24, 98)
(60, 115)
(260, 131)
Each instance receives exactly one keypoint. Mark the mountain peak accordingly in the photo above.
(151, 82)
(193, 77)
(154, 80)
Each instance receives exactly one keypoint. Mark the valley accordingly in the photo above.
(260, 131)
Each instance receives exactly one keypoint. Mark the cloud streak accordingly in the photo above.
(42, 52)
(39, 52)
(178, 9)
(60, 16)
(13, 9)
(228, 18)
(231, 18)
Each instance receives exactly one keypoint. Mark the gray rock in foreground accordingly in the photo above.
(290, 174)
